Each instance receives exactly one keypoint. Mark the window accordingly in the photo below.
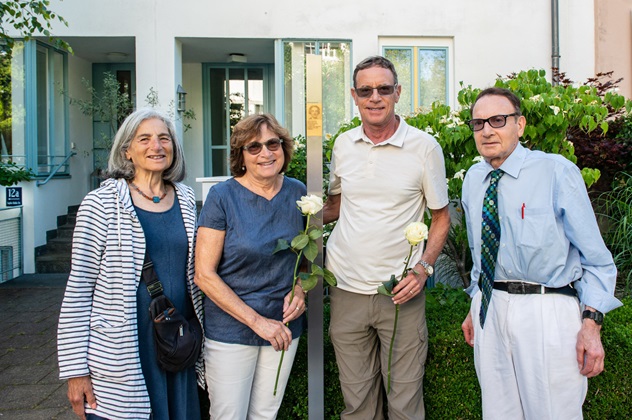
(336, 70)
(233, 91)
(423, 71)
(12, 110)
(33, 118)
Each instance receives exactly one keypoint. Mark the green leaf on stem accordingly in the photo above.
(315, 234)
(329, 277)
(386, 288)
(310, 251)
(317, 271)
(300, 241)
(281, 245)
(309, 283)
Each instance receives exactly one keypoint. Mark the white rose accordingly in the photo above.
(310, 204)
(416, 232)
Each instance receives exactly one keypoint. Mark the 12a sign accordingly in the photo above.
(14, 196)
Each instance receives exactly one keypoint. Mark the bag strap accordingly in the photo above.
(154, 286)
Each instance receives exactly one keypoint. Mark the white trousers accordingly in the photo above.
(525, 357)
(240, 379)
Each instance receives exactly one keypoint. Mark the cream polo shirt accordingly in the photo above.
(383, 188)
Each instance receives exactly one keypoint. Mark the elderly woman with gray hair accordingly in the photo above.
(105, 343)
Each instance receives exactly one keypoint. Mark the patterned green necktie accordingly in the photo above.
(490, 238)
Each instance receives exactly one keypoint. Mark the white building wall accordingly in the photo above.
(489, 38)
(495, 37)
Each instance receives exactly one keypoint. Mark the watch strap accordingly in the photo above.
(594, 315)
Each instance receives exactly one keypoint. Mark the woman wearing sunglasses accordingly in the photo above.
(245, 284)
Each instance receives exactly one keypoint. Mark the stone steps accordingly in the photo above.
(54, 257)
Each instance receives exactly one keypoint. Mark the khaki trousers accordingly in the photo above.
(361, 328)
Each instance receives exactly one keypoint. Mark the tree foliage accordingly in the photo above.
(555, 115)
(11, 173)
(29, 18)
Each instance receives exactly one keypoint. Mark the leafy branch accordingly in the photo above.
(29, 18)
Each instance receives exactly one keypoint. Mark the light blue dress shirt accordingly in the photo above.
(549, 230)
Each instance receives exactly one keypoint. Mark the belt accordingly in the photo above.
(521, 288)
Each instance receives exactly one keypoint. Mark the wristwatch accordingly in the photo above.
(594, 315)
(427, 267)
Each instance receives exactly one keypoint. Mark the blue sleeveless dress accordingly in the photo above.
(172, 395)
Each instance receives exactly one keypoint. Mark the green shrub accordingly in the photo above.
(451, 389)
(609, 393)
(552, 113)
(295, 399)
(11, 173)
(616, 215)
(298, 165)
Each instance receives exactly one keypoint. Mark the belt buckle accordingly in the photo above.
(516, 288)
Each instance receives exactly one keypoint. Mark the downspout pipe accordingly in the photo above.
(555, 41)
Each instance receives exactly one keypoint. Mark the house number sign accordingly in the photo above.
(14, 196)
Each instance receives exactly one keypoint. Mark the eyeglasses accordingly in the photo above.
(255, 147)
(384, 90)
(497, 121)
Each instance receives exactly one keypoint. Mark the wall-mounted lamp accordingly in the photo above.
(182, 99)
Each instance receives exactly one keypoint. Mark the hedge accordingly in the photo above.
(451, 390)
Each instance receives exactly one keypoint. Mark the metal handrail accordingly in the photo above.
(54, 171)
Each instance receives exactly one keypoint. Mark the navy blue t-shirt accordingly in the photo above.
(253, 224)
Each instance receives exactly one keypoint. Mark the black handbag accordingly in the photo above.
(178, 341)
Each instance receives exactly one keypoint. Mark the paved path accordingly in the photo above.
(29, 384)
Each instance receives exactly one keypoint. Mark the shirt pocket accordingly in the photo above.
(538, 228)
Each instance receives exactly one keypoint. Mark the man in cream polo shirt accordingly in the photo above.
(383, 176)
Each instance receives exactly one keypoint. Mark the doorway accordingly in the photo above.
(232, 92)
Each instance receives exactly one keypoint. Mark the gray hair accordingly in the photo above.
(120, 167)
(375, 61)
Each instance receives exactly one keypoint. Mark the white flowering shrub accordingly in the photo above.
(551, 111)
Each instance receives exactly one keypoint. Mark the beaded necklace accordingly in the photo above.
(155, 198)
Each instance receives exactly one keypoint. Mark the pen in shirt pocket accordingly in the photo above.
(523, 207)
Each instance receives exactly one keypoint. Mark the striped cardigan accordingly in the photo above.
(97, 333)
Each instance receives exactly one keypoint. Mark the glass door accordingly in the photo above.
(232, 92)
(337, 70)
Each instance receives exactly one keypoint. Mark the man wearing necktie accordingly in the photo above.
(542, 276)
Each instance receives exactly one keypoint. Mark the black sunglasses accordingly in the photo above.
(255, 147)
(496, 121)
(384, 90)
